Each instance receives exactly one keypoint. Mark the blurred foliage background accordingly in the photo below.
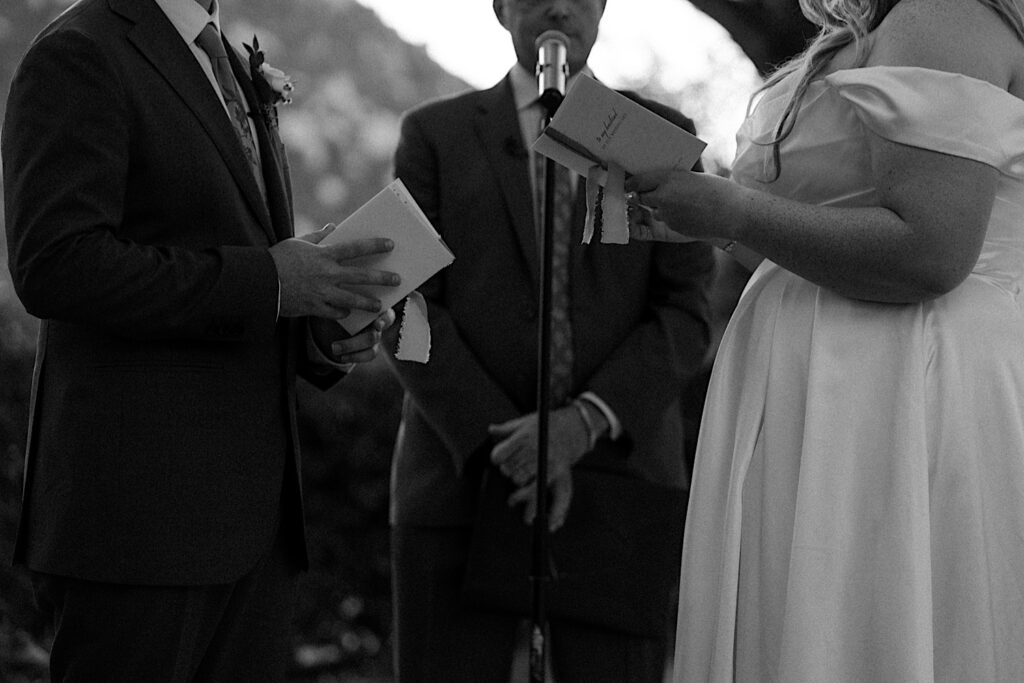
(355, 76)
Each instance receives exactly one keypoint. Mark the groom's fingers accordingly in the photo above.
(385, 320)
(350, 249)
(342, 302)
(359, 347)
(356, 275)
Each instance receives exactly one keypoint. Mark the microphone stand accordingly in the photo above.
(540, 573)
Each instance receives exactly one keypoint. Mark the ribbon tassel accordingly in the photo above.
(606, 205)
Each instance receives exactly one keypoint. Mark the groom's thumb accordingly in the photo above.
(318, 236)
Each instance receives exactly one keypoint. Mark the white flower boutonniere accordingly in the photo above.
(279, 82)
(273, 86)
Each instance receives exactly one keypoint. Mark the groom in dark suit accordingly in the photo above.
(149, 220)
(639, 329)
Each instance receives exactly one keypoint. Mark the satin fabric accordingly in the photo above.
(857, 507)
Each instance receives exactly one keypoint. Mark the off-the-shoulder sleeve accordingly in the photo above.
(937, 110)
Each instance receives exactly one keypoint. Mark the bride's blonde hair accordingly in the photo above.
(843, 22)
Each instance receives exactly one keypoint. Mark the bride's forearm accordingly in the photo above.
(919, 241)
(864, 253)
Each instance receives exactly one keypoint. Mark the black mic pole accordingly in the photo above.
(552, 73)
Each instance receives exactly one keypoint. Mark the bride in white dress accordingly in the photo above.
(857, 506)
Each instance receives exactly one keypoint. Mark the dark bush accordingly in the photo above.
(23, 633)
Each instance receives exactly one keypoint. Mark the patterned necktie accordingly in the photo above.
(210, 43)
(561, 325)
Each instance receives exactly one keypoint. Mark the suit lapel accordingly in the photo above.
(275, 172)
(497, 127)
(155, 37)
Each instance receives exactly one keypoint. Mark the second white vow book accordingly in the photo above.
(597, 126)
(418, 253)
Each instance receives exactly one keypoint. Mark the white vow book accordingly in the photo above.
(604, 136)
(596, 125)
(419, 251)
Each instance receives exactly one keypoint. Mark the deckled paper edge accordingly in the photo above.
(593, 183)
(414, 332)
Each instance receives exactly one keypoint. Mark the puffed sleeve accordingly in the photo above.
(937, 110)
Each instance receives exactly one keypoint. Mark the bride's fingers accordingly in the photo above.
(644, 182)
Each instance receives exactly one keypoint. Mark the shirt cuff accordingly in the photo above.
(614, 426)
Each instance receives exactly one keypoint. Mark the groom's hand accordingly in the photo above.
(315, 279)
(339, 346)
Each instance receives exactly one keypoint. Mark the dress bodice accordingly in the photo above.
(826, 161)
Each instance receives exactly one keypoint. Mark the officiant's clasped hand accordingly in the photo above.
(515, 455)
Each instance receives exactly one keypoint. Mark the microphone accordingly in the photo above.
(552, 68)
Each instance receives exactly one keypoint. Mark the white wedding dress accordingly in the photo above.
(857, 506)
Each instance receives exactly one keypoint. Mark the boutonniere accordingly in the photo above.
(272, 85)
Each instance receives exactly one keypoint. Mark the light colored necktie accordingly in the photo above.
(210, 43)
(561, 230)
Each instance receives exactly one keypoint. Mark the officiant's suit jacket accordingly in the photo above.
(163, 442)
(639, 314)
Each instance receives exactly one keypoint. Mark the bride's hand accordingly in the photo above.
(644, 228)
(698, 205)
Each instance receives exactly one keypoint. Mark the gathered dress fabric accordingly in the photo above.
(857, 506)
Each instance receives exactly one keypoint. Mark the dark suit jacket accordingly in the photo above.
(639, 313)
(163, 431)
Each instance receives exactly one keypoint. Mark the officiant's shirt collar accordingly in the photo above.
(524, 85)
(189, 18)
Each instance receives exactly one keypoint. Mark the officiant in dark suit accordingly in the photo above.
(149, 224)
(630, 326)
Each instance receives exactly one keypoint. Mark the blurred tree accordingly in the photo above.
(769, 31)
(21, 628)
(22, 658)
